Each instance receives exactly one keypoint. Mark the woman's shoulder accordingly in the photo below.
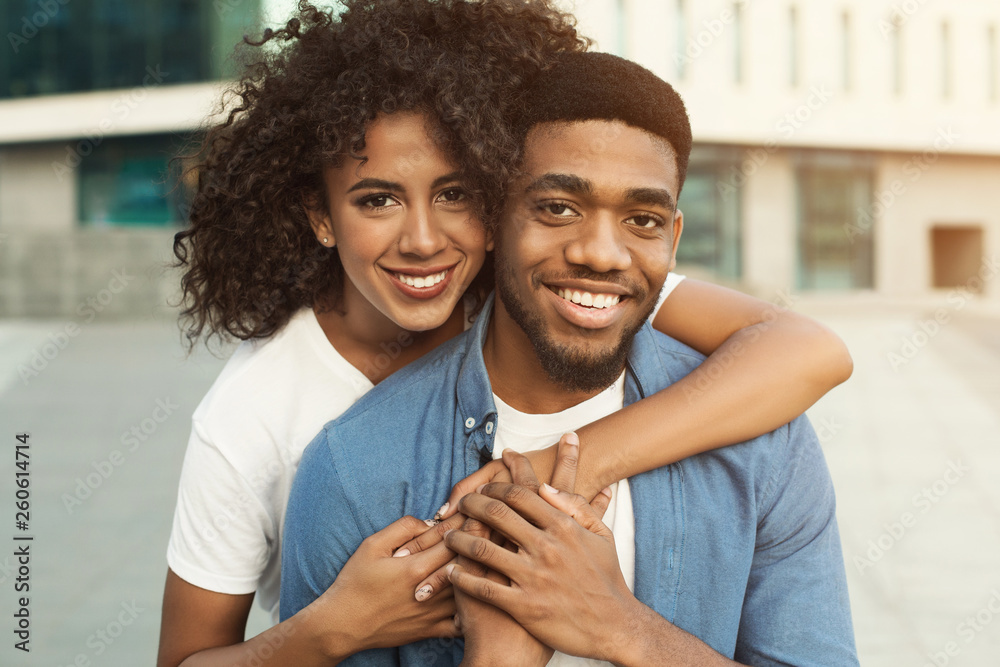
(278, 378)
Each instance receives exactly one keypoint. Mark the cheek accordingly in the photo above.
(361, 243)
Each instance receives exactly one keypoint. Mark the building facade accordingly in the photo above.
(96, 98)
(838, 146)
(851, 146)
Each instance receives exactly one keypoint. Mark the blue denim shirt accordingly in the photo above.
(738, 546)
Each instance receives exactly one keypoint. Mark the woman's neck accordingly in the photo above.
(376, 345)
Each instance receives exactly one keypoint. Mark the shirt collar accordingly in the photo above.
(475, 394)
(646, 374)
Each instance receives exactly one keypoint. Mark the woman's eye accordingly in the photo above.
(643, 221)
(453, 195)
(377, 201)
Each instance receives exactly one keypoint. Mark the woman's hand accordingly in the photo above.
(371, 603)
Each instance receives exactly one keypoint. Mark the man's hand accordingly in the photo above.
(566, 587)
(543, 462)
(492, 637)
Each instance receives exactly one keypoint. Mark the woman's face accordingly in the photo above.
(403, 225)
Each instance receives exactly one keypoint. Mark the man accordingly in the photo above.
(730, 553)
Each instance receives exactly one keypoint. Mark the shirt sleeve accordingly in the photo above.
(796, 610)
(672, 281)
(221, 535)
(320, 531)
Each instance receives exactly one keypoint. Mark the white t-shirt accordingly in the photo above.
(247, 439)
(523, 432)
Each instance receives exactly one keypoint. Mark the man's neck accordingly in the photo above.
(517, 376)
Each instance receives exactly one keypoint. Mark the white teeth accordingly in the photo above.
(421, 281)
(590, 300)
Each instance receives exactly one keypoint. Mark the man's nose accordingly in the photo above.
(600, 245)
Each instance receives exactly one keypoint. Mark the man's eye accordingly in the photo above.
(559, 210)
(643, 221)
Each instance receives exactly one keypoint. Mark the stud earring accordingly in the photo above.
(325, 240)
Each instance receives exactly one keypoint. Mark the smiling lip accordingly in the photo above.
(421, 282)
(605, 304)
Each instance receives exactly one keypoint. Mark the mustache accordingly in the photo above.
(633, 288)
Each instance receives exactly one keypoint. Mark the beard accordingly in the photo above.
(571, 368)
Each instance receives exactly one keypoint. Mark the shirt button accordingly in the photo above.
(470, 422)
(489, 428)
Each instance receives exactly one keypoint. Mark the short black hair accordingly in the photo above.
(601, 86)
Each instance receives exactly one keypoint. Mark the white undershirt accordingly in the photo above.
(523, 432)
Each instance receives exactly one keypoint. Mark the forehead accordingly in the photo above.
(405, 142)
(611, 154)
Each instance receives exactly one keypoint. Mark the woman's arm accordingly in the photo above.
(766, 365)
(370, 605)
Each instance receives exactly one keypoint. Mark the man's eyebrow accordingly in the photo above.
(565, 182)
(650, 197)
(376, 184)
(447, 178)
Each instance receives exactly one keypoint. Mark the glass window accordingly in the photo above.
(835, 225)
(711, 237)
(680, 25)
(794, 75)
(946, 60)
(846, 38)
(85, 45)
(131, 181)
(738, 40)
(993, 65)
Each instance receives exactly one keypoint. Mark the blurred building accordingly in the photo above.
(96, 97)
(852, 145)
(839, 146)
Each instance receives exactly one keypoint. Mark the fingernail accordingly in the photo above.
(572, 439)
(458, 622)
(423, 593)
(479, 489)
(440, 512)
(401, 553)
(606, 491)
(450, 530)
(431, 522)
(548, 489)
(448, 570)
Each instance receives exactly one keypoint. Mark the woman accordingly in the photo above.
(336, 230)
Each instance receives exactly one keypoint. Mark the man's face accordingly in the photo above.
(587, 239)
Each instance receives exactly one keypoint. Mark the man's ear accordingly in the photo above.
(319, 220)
(677, 227)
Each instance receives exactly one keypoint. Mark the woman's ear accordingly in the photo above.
(489, 239)
(319, 220)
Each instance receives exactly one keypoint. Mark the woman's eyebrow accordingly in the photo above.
(376, 184)
(447, 178)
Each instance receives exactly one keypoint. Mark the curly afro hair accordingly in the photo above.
(249, 257)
